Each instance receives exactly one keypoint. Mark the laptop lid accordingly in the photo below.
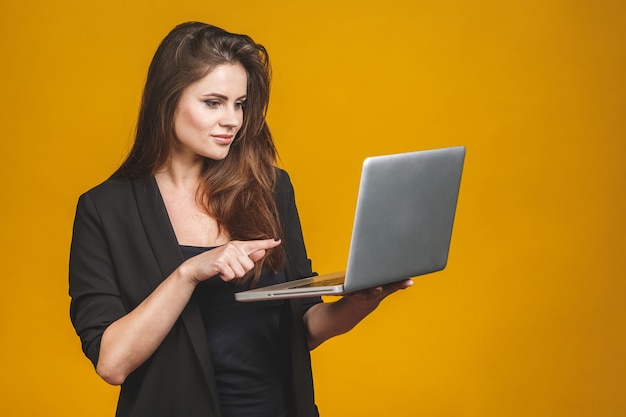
(404, 216)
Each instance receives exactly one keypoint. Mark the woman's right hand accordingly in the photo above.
(232, 260)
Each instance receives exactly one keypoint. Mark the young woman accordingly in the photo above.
(197, 212)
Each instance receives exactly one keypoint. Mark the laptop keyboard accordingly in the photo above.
(322, 283)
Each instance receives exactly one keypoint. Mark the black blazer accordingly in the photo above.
(123, 246)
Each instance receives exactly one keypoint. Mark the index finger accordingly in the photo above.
(251, 246)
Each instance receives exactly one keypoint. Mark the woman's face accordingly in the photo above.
(210, 113)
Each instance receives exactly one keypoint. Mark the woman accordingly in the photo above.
(197, 212)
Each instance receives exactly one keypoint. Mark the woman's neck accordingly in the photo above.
(180, 175)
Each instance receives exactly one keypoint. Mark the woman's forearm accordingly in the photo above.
(326, 320)
(130, 341)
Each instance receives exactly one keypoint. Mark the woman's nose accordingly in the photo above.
(232, 116)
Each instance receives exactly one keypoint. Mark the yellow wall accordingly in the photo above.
(527, 320)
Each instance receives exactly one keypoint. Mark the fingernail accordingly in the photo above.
(276, 239)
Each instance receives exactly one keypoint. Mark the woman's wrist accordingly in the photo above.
(185, 273)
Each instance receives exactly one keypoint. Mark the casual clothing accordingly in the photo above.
(123, 246)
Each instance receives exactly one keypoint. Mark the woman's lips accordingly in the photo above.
(223, 139)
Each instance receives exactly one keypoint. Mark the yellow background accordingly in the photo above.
(527, 320)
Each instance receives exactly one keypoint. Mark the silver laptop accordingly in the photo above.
(402, 227)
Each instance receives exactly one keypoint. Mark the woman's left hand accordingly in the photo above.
(375, 295)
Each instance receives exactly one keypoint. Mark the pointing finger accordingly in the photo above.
(252, 246)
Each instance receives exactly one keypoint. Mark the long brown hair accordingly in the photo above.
(238, 190)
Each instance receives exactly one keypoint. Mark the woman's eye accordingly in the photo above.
(241, 105)
(212, 103)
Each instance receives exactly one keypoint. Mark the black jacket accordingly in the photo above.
(123, 246)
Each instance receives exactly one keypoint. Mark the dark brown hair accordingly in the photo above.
(238, 190)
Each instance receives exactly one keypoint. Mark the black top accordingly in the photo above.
(249, 345)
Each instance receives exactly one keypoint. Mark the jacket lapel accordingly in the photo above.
(161, 235)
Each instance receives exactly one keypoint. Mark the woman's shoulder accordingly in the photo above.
(283, 181)
(110, 187)
(117, 189)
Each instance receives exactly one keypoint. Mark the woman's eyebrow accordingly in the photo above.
(223, 97)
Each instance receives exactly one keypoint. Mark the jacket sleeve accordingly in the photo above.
(95, 296)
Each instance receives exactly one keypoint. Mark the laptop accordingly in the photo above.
(402, 226)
